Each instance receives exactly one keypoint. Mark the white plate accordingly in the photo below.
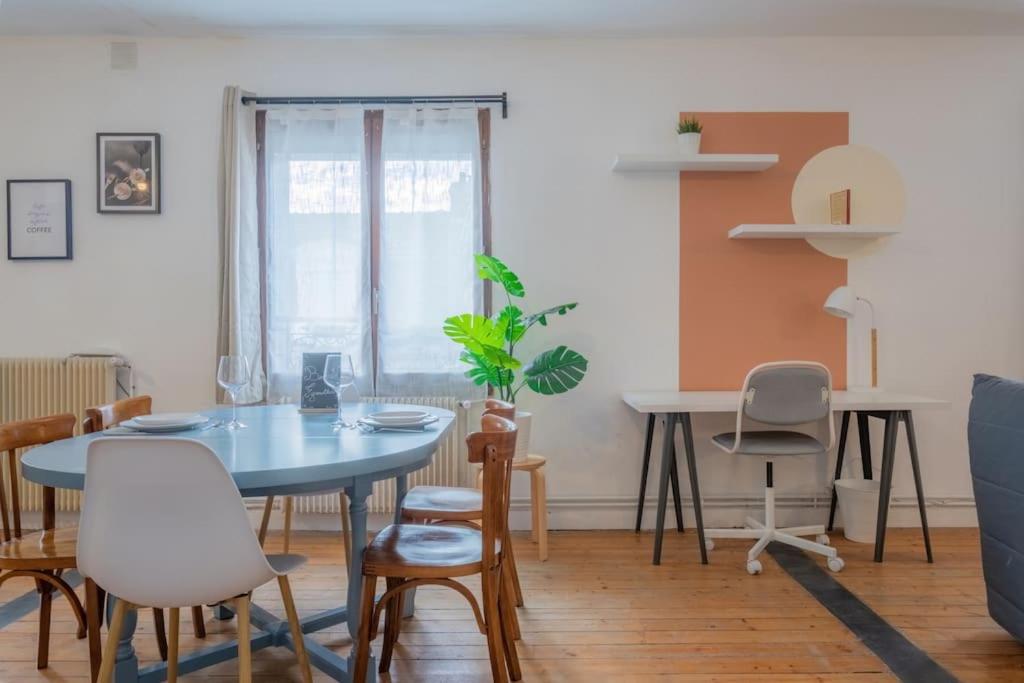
(168, 419)
(399, 417)
(196, 421)
(422, 422)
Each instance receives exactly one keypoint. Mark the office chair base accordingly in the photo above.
(767, 533)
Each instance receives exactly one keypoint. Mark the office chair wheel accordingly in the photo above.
(836, 564)
(754, 567)
(822, 539)
(709, 544)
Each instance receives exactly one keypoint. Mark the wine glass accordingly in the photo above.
(232, 375)
(339, 375)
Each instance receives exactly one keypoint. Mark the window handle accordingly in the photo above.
(375, 303)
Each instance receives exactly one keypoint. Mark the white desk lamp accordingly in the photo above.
(842, 303)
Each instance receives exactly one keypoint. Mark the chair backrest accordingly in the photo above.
(504, 409)
(163, 524)
(786, 394)
(22, 434)
(493, 447)
(101, 417)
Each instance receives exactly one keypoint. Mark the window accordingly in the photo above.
(371, 222)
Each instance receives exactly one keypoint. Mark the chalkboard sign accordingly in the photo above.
(317, 397)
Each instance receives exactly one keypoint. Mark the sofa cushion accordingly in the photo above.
(995, 434)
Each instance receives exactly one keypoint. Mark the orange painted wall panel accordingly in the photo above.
(744, 302)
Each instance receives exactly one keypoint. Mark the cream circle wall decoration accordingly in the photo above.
(876, 194)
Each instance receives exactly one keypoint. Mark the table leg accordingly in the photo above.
(648, 441)
(844, 430)
(667, 454)
(908, 421)
(357, 496)
(691, 465)
(126, 666)
(885, 488)
(677, 498)
(864, 435)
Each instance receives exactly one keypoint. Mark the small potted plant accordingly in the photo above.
(688, 133)
(489, 347)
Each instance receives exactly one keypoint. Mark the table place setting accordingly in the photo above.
(396, 421)
(164, 423)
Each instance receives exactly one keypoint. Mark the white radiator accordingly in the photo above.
(36, 387)
(449, 467)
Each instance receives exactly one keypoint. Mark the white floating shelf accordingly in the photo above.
(810, 231)
(625, 163)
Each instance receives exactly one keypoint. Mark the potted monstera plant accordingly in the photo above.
(490, 343)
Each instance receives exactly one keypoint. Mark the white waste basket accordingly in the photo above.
(858, 503)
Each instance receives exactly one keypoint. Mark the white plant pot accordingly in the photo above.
(689, 144)
(523, 420)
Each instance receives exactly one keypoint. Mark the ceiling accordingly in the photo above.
(695, 18)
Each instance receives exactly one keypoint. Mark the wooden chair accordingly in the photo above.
(43, 555)
(534, 465)
(411, 555)
(463, 506)
(96, 420)
(287, 503)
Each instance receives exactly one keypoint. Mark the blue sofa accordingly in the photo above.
(995, 433)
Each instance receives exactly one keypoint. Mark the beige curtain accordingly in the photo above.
(240, 326)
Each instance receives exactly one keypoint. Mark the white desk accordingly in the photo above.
(677, 406)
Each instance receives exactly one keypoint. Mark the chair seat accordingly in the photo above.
(443, 503)
(424, 550)
(51, 549)
(285, 563)
(771, 443)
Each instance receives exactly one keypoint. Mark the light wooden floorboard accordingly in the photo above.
(598, 610)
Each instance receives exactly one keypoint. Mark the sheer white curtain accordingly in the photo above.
(318, 244)
(431, 225)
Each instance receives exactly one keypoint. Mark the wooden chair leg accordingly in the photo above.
(161, 632)
(198, 621)
(509, 596)
(392, 624)
(296, 629)
(540, 503)
(509, 634)
(346, 530)
(172, 645)
(244, 644)
(45, 609)
(113, 637)
(94, 621)
(495, 649)
(287, 523)
(363, 640)
(509, 561)
(265, 522)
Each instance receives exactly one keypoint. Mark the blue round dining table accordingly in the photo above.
(280, 452)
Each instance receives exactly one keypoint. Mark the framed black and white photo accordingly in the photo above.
(38, 219)
(128, 167)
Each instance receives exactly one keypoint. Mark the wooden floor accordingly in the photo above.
(598, 611)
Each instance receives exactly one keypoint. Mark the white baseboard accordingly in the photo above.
(620, 513)
(721, 511)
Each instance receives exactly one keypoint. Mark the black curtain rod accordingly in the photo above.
(501, 99)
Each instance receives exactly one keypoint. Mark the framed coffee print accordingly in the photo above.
(38, 219)
(128, 166)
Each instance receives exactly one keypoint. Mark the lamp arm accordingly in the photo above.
(871, 307)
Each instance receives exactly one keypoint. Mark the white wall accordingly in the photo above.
(949, 291)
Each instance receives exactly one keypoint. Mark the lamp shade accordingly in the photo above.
(841, 302)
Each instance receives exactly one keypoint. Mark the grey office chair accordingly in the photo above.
(783, 394)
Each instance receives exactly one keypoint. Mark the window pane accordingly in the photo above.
(317, 245)
(430, 229)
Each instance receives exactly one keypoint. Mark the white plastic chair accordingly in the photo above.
(163, 525)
